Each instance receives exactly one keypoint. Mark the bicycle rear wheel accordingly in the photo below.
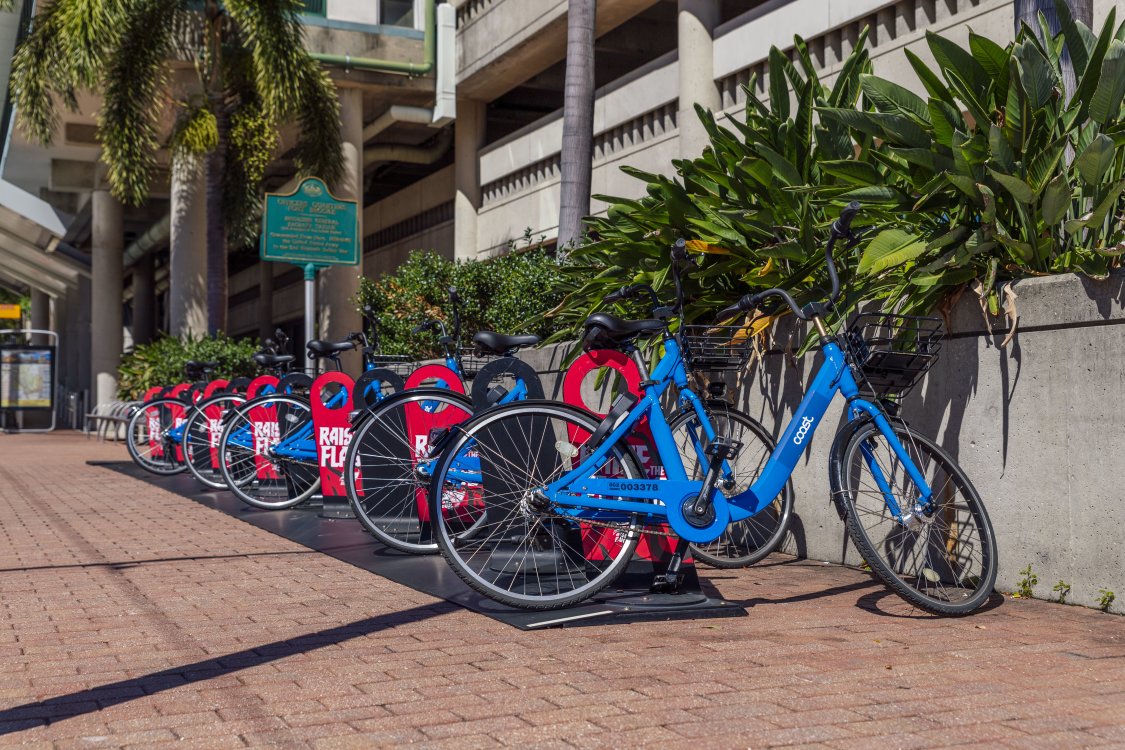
(944, 561)
(510, 543)
(147, 439)
(751, 540)
(202, 432)
(267, 453)
(385, 474)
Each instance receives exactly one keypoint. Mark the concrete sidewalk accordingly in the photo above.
(134, 617)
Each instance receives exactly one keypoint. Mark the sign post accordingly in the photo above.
(312, 228)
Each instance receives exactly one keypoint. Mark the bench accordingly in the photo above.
(113, 414)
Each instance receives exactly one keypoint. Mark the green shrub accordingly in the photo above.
(508, 294)
(1029, 182)
(161, 363)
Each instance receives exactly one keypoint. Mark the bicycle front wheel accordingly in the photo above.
(510, 542)
(386, 476)
(748, 541)
(267, 453)
(147, 436)
(201, 438)
(944, 560)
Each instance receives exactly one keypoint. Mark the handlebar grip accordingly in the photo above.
(727, 313)
(420, 328)
(842, 227)
(679, 250)
(453, 296)
(624, 292)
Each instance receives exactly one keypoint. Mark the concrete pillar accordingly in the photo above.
(265, 300)
(697, 20)
(81, 336)
(40, 315)
(469, 132)
(108, 242)
(187, 265)
(340, 284)
(144, 300)
(58, 324)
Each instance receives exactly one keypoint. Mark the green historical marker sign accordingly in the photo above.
(310, 225)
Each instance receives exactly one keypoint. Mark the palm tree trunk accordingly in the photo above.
(216, 224)
(578, 122)
(1027, 11)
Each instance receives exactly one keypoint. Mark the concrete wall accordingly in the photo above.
(1036, 426)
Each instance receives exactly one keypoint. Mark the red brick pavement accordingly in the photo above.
(133, 617)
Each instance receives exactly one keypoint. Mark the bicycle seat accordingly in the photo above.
(273, 360)
(319, 348)
(204, 366)
(603, 330)
(490, 342)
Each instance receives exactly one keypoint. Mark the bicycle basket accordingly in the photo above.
(894, 351)
(472, 360)
(397, 363)
(715, 348)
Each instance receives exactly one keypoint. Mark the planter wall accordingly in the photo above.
(1038, 426)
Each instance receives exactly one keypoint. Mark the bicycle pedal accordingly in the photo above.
(666, 583)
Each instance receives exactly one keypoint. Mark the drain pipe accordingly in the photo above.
(439, 32)
(393, 66)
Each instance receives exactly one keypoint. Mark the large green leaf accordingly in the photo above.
(1106, 102)
(993, 58)
(890, 248)
(779, 89)
(853, 171)
(1094, 162)
(953, 59)
(1018, 189)
(1056, 200)
(894, 99)
(1036, 77)
(930, 80)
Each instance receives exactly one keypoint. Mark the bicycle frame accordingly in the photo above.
(581, 495)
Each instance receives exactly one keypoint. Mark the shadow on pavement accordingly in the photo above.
(93, 699)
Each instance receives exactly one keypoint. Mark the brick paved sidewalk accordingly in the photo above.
(134, 617)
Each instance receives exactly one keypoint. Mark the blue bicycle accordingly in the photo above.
(551, 474)
(387, 466)
(267, 453)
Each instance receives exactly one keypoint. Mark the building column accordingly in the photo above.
(187, 265)
(106, 339)
(40, 315)
(144, 300)
(265, 300)
(80, 337)
(697, 20)
(469, 131)
(339, 285)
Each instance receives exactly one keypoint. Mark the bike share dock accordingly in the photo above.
(628, 600)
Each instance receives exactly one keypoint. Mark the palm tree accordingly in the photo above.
(578, 121)
(254, 74)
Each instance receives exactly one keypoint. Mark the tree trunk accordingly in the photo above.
(578, 122)
(1027, 11)
(216, 225)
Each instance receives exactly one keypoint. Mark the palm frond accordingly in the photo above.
(134, 84)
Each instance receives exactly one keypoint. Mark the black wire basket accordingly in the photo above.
(472, 360)
(893, 352)
(399, 364)
(715, 348)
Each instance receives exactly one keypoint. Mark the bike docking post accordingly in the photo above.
(425, 424)
(330, 399)
(655, 552)
(214, 416)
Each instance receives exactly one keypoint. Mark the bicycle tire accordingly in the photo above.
(944, 583)
(748, 541)
(256, 476)
(200, 437)
(157, 457)
(547, 541)
(382, 458)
